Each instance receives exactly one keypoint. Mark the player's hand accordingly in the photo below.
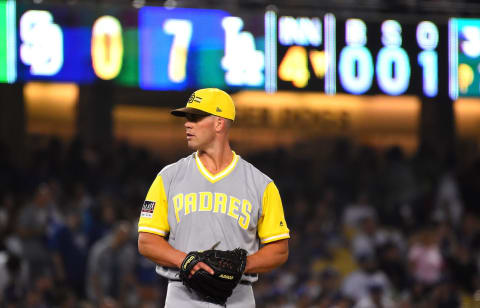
(213, 274)
(199, 266)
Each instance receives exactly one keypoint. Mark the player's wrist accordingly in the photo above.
(248, 264)
(179, 259)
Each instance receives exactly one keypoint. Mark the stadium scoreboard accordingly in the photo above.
(159, 48)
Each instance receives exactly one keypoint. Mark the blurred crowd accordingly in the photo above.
(370, 227)
(68, 216)
(377, 228)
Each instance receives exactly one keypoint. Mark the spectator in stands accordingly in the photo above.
(15, 289)
(111, 265)
(355, 212)
(69, 250)
(448, 205)
(426, 262)
(34, 222)
(463, 269)
(444, 295)
(151, 288)
(468, 233)
(8, 214)
(375, 297)
(368, 238)
(426, 265)
(100, 218)
(329, 288)
(357, 284)
(398, 185)
(392, 262)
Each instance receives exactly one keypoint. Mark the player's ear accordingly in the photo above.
(219, 124)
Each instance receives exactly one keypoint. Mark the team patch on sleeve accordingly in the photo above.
(147, 209)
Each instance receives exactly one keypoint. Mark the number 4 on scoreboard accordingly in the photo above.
(294, 66)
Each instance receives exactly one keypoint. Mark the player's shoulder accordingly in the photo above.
(181, 164)
(252, 171)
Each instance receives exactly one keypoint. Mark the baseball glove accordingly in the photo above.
(228, 267)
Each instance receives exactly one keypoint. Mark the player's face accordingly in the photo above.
(200, 130)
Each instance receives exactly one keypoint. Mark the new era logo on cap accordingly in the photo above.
(219, 110)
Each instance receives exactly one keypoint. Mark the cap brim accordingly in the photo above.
(181, 112)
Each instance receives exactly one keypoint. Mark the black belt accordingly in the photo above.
(244, 282)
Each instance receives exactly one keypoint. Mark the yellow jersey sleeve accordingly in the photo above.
(272, 225)
(154, 214)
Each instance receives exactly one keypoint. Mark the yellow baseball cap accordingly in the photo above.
(207, 102)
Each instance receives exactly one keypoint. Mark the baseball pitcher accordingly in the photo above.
(212, 221)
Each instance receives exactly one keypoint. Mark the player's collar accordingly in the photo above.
(218, 176)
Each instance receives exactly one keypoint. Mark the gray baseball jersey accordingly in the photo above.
(238, 207)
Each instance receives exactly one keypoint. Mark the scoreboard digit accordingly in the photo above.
(355, 59)
(393, 64)
(427, 39)
(181, 31)
(107, 47)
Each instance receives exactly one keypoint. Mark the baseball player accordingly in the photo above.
(212, 199)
